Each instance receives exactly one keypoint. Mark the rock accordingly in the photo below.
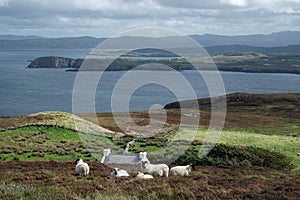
(55, 62)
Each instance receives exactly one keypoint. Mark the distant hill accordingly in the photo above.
(84, 42)
(238, 49)
(230, 43)
(270, 40)
(281, 105)
(20, 37)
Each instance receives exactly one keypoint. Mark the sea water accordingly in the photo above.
(27, 90)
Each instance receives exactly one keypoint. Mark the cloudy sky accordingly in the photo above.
(103, 18)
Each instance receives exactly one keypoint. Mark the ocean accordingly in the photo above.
(25, 91)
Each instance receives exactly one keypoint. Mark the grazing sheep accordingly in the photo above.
(155, 170)
(82, 168)
(119, 172)
(181, 170)
(144, 176)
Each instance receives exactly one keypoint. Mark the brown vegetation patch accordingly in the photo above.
(57, 180)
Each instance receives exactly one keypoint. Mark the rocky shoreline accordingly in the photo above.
(55, 62)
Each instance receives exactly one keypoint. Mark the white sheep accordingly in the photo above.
(155, 170)
(82, 168)
(181, 170)
(144, 176)
(119, 172)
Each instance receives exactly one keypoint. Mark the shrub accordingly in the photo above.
(272, 159)
(6, 151)
(227, 155)
(88, 154)
(143, 145)
(196, 142)
(60, 152)
(38, 154)
(19, 152)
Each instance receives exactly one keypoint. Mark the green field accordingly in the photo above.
(33, 143)
(48, 143)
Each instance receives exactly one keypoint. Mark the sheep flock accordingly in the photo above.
(149, 170)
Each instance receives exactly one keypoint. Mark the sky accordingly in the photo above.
(104, 18)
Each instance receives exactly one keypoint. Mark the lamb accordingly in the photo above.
(144, 176)
(119, 172)
(181, 170)
(82, 168)
(155, 170)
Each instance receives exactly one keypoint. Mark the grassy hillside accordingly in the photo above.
(261, 132)
(266, 121)
(246, 110)
(56, 119)
(33, 143)
(47, 143)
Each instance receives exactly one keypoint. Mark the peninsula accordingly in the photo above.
(243, 62)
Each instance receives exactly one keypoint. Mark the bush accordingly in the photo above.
(227, 155)
(196, 142)
(143, 145)
(272, 159)
(38, 154)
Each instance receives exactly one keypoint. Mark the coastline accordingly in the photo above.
(248, 63)
(221, 70)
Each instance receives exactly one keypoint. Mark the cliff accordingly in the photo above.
(55, 62)
(94, 64)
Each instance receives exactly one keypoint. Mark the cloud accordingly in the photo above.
(107, 17)
(277, 6)
(4, 2)
(95, 5)
(239, 3)
(86, 8)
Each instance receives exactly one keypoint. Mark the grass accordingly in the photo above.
(48, 143)
(35, 143)
(113, 196)
(285, 144)
(57, 120)
(271, 130)
(188, 136)
(16, 191)
(57, 180)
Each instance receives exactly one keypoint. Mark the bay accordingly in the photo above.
(24, 91)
